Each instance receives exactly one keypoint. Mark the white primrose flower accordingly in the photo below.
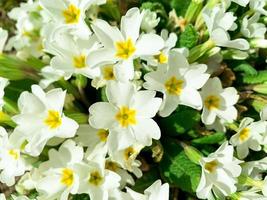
(218, 102)
(179, 83)
(156, 191)
(251, 28)
(3, 39)
(126, 159)
(149, 21)
(124, 45)
(97, 181)
(248, 136)
(219, 173)
(59, 176)
(12, 163)
(218, 23)
(127, 115)
(28, 38)
(41, 118)
(70, 55)
(70, 14)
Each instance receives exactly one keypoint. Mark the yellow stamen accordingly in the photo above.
(103, 135)
(14, 154)
(72, 14)
(125, 49)
(212, 102)
(96, 178)
(79, 61)
(107, 72)
(211, 166)
(126, 116)
(161, 58)
(53, 119)
(174, 86)
(244, 134)
(67, 177)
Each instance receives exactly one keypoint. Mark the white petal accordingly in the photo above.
(146, 104)
(145, 130)
(68, 128)
(124, 71)
(102, 115)
(130, 24)
(169, 104)
(119, 93)
(208, 117)
(228, 115)
(191, 97)
(101, 57)
(149, 44)
(106, 34)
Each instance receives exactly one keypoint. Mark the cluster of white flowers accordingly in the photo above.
(100, 158)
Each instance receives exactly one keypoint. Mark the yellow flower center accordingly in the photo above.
(112, 166)
(174, 86)
(53, 119)
(211, 166)
(129, 152)
(96, 178)
(125, 49)
(212, 102)
(14, 154)
(107, 72)
(126, 116)
(79, 61)
(103, 135)
(67, 177)
(72, 14)
(161, 58)
(244, 134)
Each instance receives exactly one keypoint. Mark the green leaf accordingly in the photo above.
(80, 197)
(210, 139)
(261, 77)
(246, 69)
(180, 6)
(177, 169)
(189, 37)
(181, 121)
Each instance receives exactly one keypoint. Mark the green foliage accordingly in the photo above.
(146, 180)
(180, 6)
(181, 121)
(245, 68)
(189, 37)
(260, 77)
(210, 139)
(80, 197)
(177, 169)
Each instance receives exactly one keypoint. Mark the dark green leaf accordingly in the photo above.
(177, 169)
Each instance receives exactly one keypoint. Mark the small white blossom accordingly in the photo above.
(251, 28)
(127, 115)
(219, 173)
(248, 136)
(178, 83)
(41, 118)
(218, 102)
(149, 21)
